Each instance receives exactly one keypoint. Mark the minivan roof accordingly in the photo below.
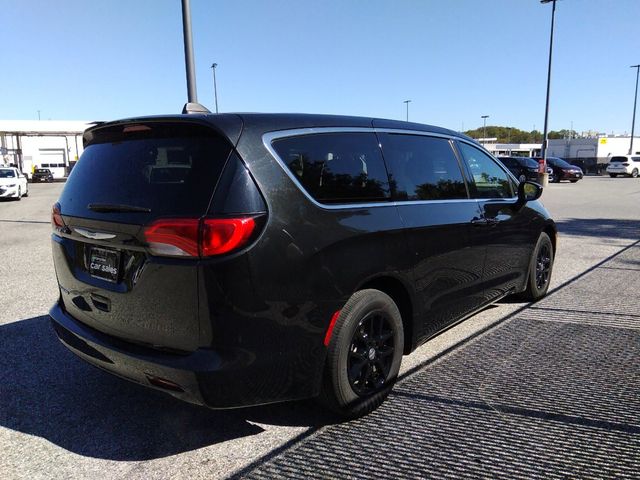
(232, 124)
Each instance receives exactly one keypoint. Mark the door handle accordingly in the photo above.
(484, 221)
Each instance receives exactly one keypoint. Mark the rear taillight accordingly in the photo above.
(223, 235)
(57, 223)
(194, 237)
(625, 164)
(174, 237)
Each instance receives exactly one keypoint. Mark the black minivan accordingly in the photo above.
(242, 259)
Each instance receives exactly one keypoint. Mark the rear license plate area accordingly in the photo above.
(104, 264)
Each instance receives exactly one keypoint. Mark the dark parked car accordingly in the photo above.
(523, 168)
(563, 170)
(42, 175)
(235, 260)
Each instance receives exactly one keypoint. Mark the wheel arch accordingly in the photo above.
(399, 293)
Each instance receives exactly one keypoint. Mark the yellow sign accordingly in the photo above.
(603, 141)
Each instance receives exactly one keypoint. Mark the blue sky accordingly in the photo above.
(455, 59)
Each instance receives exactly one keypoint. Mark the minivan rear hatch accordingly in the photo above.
(130, 176)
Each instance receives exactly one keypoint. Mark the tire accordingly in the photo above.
(540, 269)
(26, 192)
(634, 173)
(613, 175)
(19, 194)
(363, 356)
(573, 181)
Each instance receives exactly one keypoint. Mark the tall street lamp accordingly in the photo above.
(546, 109)
(484, 128)
(215, 87)
(635, 100)
(407, 103)
(188, 52)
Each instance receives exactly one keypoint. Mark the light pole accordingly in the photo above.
(188, 52)
(407, 102)
(484, 128)
(546, 109)
(635, 100)
(215, 87)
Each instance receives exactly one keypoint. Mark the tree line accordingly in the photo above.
(515, 135)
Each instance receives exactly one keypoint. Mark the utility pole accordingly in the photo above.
(635, 100)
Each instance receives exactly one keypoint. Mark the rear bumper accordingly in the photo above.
(205, 377)
(132, 362)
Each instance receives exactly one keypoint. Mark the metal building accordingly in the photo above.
(52, 144)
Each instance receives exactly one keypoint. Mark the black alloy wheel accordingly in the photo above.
(543, 266)
(370, 354)
(363, 355)
(540, 269)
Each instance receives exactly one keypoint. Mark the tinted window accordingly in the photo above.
(618, 159)
(558, 162)
(509, 162)
(423, 168)
(337, 167)
(6, 173)
(172, 171)
(490, 181)
(531, 163)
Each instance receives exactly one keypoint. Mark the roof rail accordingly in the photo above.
(192, 107)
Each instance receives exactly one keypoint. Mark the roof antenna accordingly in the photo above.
(192, 105)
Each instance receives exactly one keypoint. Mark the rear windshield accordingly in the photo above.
(618, 159)
(42, 170)
(530, 163)
(169, 169)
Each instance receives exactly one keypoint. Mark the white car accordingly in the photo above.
(624, 165)
(13, 184)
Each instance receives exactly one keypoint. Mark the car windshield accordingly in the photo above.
(618, 159)
(7, 173)
(558, 162)
(42, 170)
(531, 163)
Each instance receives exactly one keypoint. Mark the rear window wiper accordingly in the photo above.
(112, 207)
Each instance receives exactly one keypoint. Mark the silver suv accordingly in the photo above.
(624, 165)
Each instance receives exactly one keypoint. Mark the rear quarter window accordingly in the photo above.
(336, 167)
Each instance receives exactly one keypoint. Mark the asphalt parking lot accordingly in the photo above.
(548, 390)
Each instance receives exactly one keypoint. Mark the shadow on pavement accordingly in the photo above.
(600, 227)
(47, 391)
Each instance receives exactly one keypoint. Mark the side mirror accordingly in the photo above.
(528, 192)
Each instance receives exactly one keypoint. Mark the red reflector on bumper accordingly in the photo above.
(327, 337)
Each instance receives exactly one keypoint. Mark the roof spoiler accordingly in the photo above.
(192, 107)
